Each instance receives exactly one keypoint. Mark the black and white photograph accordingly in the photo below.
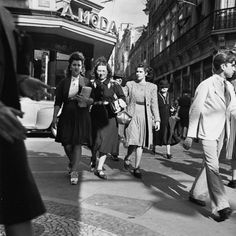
(117, 117)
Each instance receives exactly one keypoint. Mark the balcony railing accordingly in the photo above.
(224, 19)
(217, 20)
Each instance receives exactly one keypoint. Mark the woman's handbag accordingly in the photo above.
(117, 105)
(123, 118)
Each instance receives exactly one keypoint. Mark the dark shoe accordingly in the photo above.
(197, 201)
(225, 213)
(169, 156)
(100, 174)
(232, 184)
(127, 165)
(137, 173)
(115, 158)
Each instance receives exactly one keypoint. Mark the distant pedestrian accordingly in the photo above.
(166, 135)
(119, 78)
(104, 123)
(74, 123)
(184, 104)
(142, 106)
(209, 115)
(20, 201)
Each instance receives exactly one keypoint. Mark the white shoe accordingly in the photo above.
(74, 177)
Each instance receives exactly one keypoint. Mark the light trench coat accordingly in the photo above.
(151, 106)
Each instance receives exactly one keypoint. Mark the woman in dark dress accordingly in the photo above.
(183, 112)
(165, 135)
(104, 123)
(74, 124)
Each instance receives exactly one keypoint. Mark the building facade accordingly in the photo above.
(184, 35)
(60, 27)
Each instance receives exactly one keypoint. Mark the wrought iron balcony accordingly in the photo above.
(224, 19)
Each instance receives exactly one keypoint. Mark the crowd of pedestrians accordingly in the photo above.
(88, 117)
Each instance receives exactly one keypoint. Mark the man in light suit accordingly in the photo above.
(213, 103)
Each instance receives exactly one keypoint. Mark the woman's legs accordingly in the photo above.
(21, 229)
(168, 149)
(127, 161)
(101, 161)
(130, 150)
(99, 172)
(75, 160)
(168, 154)
(68, 150)
(76, 157)
(138, 156)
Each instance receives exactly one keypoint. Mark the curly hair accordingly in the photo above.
(101, 61)
(75, 56)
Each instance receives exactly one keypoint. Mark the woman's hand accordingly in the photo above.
(157, 125)
(32, 87)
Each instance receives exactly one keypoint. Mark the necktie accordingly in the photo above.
(226, 93)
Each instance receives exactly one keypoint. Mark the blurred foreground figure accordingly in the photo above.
(20, 200)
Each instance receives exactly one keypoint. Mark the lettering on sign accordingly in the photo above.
(90, 19)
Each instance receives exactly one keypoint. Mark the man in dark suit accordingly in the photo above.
(20, 200)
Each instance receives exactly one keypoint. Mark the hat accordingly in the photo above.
(118, 76)
(164, 84)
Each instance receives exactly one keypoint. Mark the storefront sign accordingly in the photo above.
(90, 19)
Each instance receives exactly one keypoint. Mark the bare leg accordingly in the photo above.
(168, 149)
(76, 157)
(21, 229)
(68, 150)
(138, 156)
(101, 161)
(131, 148)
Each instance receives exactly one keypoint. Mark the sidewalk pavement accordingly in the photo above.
(123, 205)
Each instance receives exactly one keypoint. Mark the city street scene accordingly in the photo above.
(117, 117)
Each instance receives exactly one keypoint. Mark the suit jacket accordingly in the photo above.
(208, 112)
(63, 88)
(151, 105)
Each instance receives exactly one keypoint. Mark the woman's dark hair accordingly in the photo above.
(75, 56)
(101, 61)
(222, 57)
(146, 68)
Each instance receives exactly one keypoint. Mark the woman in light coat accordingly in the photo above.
(142, 105)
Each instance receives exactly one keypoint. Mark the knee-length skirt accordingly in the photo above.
(136, 132)
(74, 125)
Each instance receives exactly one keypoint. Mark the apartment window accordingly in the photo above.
(227, 3)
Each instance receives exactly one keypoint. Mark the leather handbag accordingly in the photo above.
(123, 118)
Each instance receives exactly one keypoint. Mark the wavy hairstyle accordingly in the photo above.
(75, 56)
(101, 61)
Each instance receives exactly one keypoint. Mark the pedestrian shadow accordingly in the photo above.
(188, 167)
(172, 195)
